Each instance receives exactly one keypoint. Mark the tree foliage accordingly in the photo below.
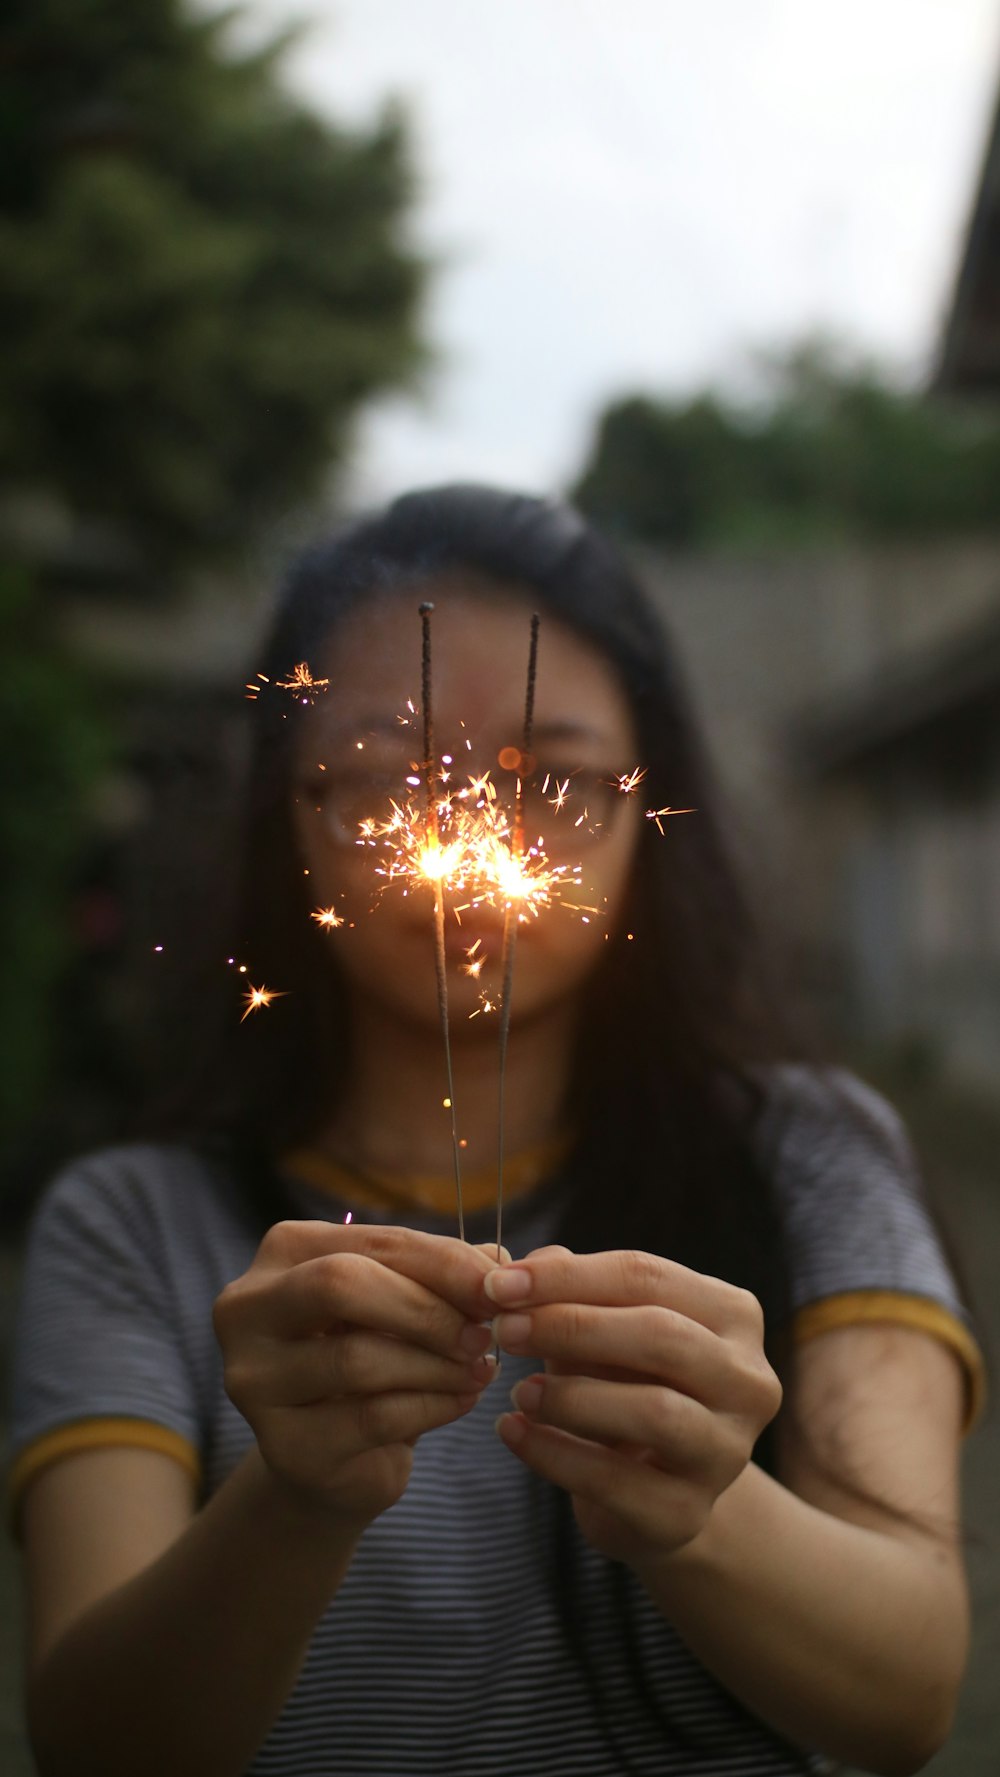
(833, 450)
(55, 743)
(200, 280)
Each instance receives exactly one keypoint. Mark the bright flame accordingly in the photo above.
(466, 845)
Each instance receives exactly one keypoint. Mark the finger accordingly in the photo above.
(313, 1296)
(490, 1249)
(452, 1268)
(370, 1421)
(658, 1507)
(301, 1372)
(676, 1432)
(620, 1279)
(319, 1440)
(653, 1342)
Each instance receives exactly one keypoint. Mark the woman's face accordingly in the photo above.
(363, 739)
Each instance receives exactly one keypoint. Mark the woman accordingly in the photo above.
(269, 1526)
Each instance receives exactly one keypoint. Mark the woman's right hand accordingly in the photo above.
(343, 1345)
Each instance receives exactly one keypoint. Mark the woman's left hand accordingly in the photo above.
(655, 1390)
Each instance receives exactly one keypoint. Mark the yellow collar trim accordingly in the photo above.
(432, 1192)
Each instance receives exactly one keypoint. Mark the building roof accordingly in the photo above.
(915, 701)
(969, 361)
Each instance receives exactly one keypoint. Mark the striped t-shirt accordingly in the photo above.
(446, 1647)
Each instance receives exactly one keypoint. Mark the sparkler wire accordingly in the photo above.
(440, 960)
(511, 916)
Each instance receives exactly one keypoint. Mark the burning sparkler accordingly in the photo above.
(466, 841)
(435, 864)
(516, 883)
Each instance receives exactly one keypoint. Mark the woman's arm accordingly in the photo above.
(840, 1623)
(166, 1640)
(844, 1627)
(161, 1639)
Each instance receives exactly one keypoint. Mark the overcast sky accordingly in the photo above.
(638, 193)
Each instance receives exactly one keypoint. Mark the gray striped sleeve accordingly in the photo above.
(849, 1191)
(96, 1327)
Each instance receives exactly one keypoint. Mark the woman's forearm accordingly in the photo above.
(187, 1665)
(843, 1638)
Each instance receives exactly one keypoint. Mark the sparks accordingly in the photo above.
(659, 815)
(627, 781)
(472, 855)
(485, 1005)
(328, 918)
(473, 966)
(257, 997)
(301, 680)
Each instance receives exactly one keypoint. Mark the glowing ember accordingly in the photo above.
(557, 802)
(328, 918)
(473, 967)
(473, 855)
(659, 815)
(257, 997)
(627, 781)
(302, 682)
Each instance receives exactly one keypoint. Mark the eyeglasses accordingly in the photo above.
(564, 810)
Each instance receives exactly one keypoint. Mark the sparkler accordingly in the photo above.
(435, 864)
(512, 911)
(465, 842)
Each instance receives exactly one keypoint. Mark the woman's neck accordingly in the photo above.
(392, 1119)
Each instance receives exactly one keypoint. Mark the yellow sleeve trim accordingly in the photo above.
(854, 1307)
(96, 1434)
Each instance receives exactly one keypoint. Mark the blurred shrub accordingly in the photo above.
(833, 450)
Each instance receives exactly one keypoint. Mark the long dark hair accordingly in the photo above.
(678, 1024)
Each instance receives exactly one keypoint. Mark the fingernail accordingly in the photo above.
(512, 1330)
(507, 1284)
(486, 1369)
(527, 1396)
(474, 1339)
(511, 1429)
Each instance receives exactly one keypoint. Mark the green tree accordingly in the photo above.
(200, 280)
(54, 745)
(832, 448)
(201, 284)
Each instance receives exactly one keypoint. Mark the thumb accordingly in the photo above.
(489, 1247)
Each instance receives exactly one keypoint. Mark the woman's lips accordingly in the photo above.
(466, 942)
